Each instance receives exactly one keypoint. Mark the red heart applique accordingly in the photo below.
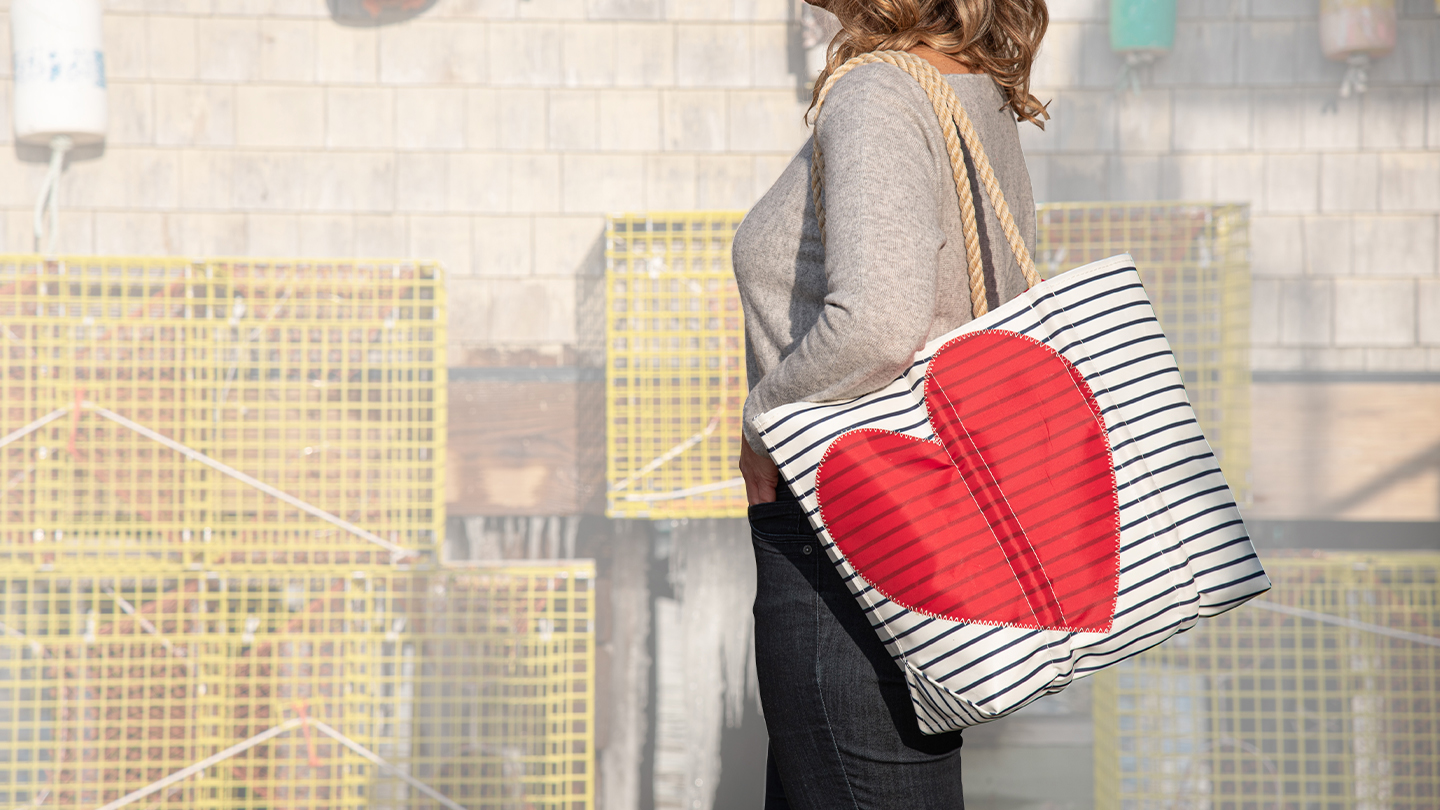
(1009, 516)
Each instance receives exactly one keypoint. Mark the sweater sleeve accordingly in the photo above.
(883, 238)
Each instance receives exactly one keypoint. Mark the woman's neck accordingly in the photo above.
(943, 62)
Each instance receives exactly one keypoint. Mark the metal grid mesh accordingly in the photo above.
(1259, 710)
(323, 379)
(477, 683)
(1193, 258)
(675, 379)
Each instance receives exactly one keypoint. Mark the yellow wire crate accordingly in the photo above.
(324, 381)
(1266, 710)
(476, 684)
(1193, 259)
(675, 378)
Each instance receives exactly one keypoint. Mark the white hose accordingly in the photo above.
(45, 243)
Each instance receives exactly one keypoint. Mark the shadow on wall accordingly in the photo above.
(369, 13)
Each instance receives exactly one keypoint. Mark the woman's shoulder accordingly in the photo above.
(880, 96)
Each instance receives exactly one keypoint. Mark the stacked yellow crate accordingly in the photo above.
(1325, 695)
(221, 505)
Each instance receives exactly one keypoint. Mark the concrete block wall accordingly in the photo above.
(493, 135)
(1345, 193)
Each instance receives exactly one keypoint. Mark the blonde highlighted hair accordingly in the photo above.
(996, 37)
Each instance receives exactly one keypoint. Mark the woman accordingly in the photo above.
(840, 317)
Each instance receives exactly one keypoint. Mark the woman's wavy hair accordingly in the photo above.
(997, 37)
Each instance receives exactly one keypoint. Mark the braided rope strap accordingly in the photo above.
(955, 125)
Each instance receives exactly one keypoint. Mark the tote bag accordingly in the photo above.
(1032, 500)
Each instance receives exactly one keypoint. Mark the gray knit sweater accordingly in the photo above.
(832, 321)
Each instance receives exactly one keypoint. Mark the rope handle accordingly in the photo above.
(955, 124)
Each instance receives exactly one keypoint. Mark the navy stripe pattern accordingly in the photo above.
(1184, 551)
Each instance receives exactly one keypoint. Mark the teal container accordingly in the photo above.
(1143, 26)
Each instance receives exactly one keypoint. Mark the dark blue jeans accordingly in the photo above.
(842, 731)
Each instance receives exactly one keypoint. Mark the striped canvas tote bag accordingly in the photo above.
(1032, 500)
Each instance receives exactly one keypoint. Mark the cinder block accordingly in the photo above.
(532, 310)
(446, 239)
(771, 49)
(430, 117)
(1282, 9)
(1349, 182)
(521, 122)
(131, 110)
(1432, 115)
(1375, 312)
(1264, 312)
(588, 54)
(761, 10)
(269, 181)
(670, 182)
(1100, 66)
(1240, 178)
(552, 10)
(194, 114)
(1395, 245)
(693, 120)
(229, 49)
(346, 55)
(724, 181)
(207, 179)
(535, 184)
(1080, 11)
(1090, 118)
(766, 121)
(381, 235)
(503, 246)
(274, 115)
(133, 233)
(135, 178)
(1057, 66)
(1329, 246)
(1311, 66)
(480, 182)
(350, 182)
(359, 117)
(1268, 51)
(1187, 177)
(170, 48)
(1414, 59)
(447, 52)
(629, 120)
(648, 58)
(1332, 358)
(1277, 246)
(1429, 311)
(625, 9)
(422, 181)
(1393, 118)
(325, 236)
(482, 112)
(1134, 177)
(566, 246)
(525, 53)
(1204, 55)
(1278, 120)
(1330, 123)
(202, 235)
(1212, 120)
(1307, 312)
(1292, 184)
(768, 169)
(601, 184)
(1409, 359)
(1410, 181)
(287, 50)
(1143, 122)
(125, 52)
(1274, 358)
(468, 315)
(271, 235)
(574, 120)
(1076, 178)
(712, 55)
